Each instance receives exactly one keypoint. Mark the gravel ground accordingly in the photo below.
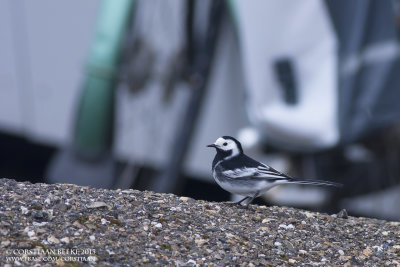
(75, 226)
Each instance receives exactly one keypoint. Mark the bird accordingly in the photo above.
(239, 174)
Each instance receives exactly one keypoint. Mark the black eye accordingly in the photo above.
(225, 144)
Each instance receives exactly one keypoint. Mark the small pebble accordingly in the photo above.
(342, 214)
(24, 210)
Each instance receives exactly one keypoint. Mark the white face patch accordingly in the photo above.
(226, 145)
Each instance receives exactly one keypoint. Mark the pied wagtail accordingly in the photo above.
(239, 174)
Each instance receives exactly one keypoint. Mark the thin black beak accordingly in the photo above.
(212, 145)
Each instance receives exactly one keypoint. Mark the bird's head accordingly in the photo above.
(228, 146)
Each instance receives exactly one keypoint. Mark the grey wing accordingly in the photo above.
(262, 172)
(240, 173)
(272, 174)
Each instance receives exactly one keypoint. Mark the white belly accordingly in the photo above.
(246, 189)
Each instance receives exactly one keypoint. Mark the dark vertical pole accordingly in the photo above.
(200, 51)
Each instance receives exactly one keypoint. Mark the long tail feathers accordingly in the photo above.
(316, 182)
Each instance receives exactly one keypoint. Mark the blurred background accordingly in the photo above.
(127, 94)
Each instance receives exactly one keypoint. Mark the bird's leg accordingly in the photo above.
(252, 198)
(240, 201)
